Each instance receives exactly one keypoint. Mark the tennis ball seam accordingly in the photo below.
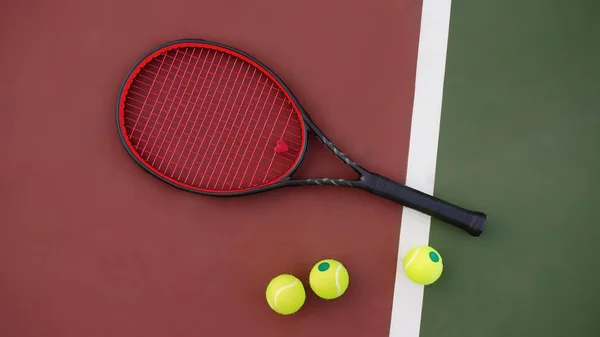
(414, 256)
(437, 270)
(337, 280)
(280, 290)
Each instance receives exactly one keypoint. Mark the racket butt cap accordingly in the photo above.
(478, 224)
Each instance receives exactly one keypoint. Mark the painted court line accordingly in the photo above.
(422, 156)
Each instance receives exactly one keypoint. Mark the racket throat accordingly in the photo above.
(327, 182)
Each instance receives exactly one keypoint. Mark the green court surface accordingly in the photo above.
(520, 140)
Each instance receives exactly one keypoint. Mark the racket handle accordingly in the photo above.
(470, 221)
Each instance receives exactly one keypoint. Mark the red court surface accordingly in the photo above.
(90, 245)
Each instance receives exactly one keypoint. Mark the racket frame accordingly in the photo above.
(470, 221)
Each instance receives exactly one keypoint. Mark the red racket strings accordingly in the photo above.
(210, 120)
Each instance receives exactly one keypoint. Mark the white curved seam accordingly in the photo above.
(280, 290)
(413, 258)
(337, 280)
(435, 274)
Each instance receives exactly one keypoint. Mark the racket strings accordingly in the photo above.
(279, 99)
(295, 138)
(240, 143)
(209, 119)
(286, 157)
(254, 79)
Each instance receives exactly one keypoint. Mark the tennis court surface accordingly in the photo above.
(92, 245)
(501, 117)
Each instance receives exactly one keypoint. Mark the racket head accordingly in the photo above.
(210, 119)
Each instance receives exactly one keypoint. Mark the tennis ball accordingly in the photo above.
(285, 294)
(423, 265)
(329, 279)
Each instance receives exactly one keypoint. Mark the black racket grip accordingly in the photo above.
(470, 221)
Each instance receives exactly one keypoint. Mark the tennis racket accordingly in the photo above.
(211, 119)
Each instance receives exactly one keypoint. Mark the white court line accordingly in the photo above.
(422, 156)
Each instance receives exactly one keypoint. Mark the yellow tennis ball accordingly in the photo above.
(285, 294)
(329, 279)
(423, 265)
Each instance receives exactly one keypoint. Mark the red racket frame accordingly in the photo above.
(473, 222)
(198, 43)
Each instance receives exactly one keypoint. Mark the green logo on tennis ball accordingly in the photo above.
(434, 257)
(323, 266)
